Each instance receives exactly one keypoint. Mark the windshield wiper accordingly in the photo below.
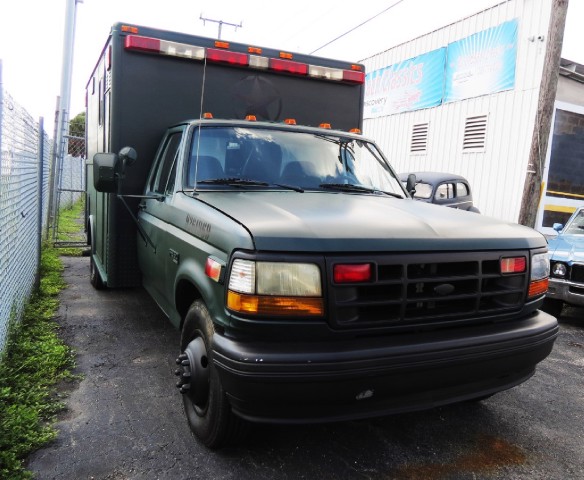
(350, 187)
(244, 182)
(289, 187)
(237, 182)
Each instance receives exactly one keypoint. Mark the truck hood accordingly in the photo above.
(567, 248)
(341, 222)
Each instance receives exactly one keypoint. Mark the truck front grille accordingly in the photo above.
(414, 289)
(577, 273)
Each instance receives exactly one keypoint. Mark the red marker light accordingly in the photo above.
(224, 56)
(144, 44)
(513, 265)
(288, 66)
(352, 273)
(353, 76)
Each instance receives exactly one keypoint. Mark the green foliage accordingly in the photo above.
(77, 133)
(70, 229)
(33, 362)
(77, 125)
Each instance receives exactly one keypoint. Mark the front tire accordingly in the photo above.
(205, 403)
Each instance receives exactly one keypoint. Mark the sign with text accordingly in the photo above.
(409, 85)
(482, 63)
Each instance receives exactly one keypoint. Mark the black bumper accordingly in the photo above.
(292, 382)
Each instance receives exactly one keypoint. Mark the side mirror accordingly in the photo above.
(104, 172)
(411, 184)
(109, 168)
(558, 227)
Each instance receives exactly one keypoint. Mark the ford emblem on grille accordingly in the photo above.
(444, 289)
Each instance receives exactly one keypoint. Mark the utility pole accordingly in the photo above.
(63, 102)
(545, 110)
(221, 23)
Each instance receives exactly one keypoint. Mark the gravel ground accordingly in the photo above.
(125, 420)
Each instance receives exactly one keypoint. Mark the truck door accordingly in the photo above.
(153, 216)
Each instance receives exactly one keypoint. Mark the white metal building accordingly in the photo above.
(479, 122)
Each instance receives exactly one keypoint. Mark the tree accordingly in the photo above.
(77, 136)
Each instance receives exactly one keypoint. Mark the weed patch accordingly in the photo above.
(34, 360)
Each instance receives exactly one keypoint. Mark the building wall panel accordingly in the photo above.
(497, 174)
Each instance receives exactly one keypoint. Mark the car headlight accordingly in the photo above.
(539, 277)
(559, 269)
(275, 288)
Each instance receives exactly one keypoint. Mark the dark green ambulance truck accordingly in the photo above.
(306, 282)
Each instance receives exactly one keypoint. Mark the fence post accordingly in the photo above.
(52, 175)
(41, 150)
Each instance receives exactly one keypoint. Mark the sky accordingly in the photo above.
(31, 33)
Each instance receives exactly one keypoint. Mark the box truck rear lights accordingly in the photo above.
(288, 66)
(325, 72)
(353, 76)
(284, 64)
(226, 56)
(155, 45)
(142, 44)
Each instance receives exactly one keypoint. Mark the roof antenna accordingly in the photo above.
(221, 23)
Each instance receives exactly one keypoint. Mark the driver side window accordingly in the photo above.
(162, 181)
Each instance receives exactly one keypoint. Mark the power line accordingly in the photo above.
(358, 26)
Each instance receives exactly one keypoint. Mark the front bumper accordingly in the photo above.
(292, 382)
(566, 291)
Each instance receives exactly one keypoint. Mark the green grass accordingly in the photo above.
(70, 229)
(32, 364)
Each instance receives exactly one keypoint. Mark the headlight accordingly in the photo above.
(559, 270)
(275, 288)
(540, 272)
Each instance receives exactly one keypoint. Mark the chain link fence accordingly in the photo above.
(25, 196)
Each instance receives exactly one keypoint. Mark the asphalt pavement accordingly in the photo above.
(124, 419)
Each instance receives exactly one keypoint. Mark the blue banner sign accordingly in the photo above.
(409, 85)
(483, 63)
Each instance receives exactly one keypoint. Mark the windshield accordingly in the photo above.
(576, 225)
(233, 157)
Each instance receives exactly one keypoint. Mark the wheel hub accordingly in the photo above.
(193, 372)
